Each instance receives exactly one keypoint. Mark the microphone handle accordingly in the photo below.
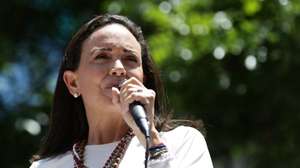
(138, 113)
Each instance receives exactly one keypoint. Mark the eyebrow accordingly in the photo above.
(129, 51)
(100, 49)
(110, 49)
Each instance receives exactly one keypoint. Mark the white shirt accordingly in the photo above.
(187, 149)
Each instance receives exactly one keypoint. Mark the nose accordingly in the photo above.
(118, 69)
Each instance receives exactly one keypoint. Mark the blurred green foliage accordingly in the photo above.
(232, 63)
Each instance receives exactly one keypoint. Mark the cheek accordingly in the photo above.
(137, 73)
(91, 77)
(142, 76)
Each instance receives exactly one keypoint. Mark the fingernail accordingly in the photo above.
(115, 88)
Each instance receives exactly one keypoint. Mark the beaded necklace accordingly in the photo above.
(114, 159)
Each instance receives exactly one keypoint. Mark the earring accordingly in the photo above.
(76, 95)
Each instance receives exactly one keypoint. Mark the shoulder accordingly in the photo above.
(63, 160)
(183, 138)
(184, 133)
(188, 147)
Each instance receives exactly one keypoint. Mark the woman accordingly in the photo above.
(106, 67)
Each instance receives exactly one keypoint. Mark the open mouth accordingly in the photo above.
(116, 84)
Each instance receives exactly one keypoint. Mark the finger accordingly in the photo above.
(136, 81)
(142, 97)
(115, 95)
(124, 88)
(129, 89)
(133, 81)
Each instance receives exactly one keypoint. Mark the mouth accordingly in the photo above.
(116, 84)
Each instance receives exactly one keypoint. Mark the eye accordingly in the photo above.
(131, 58)
(102, 57)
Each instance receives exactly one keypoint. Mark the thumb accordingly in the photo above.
(115, 95)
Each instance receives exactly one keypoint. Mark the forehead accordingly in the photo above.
(112, 35)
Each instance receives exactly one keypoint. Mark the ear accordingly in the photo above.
(70, 79)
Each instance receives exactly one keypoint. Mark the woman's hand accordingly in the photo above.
(133, 90)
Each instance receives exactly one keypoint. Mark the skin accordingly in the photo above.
(109, 76)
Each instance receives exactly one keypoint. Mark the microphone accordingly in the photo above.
(137, 111)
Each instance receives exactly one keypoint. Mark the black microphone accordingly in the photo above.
(138, 113)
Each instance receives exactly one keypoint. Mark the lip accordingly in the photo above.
(115, 83)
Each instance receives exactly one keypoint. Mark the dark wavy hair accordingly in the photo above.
(68, 122)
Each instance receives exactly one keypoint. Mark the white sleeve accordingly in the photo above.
(187, 149)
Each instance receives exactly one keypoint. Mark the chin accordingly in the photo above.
(107, 96)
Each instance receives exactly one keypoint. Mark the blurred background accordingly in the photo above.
(234, 64)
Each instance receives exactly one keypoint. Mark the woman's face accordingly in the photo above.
(109, 55)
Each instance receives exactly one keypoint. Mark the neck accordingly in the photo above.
(106, 129)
